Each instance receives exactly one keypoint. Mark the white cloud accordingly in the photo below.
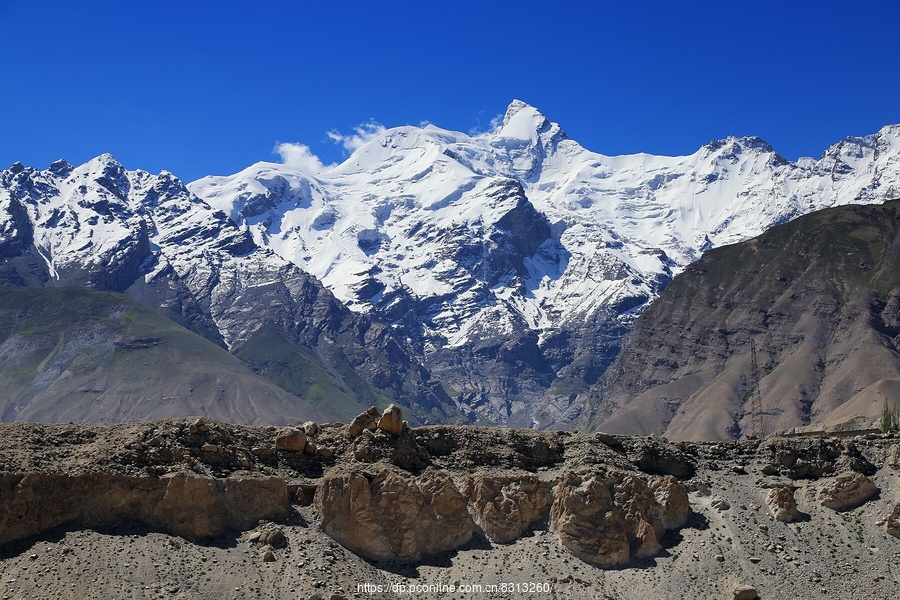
(300, 156)
(361, 134)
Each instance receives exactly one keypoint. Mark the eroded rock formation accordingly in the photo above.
(782, 504)
(505, 507)
(393, 515)
(847, 492)
(607, 519)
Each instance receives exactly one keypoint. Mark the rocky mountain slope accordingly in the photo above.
(513, 261)
(75, 354)
(186, 508)
(102, 226)
(819, 297)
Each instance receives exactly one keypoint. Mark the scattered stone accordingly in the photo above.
(782, 504)
(360, 423)
(373, 412)
(847, 492)
(755, 560)
(739, 470)
(262, 452)
(325, 452)
(719, 503)
(268, 556)
(274, 538)
(310, 428)
(392, 420)
(310, 448)
(210, 448)
(290, 439)
(719, 558)
(745, 592)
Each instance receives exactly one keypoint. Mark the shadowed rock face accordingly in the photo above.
(182, 504)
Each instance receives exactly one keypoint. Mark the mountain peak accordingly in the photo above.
(522, 121)
(514, 108)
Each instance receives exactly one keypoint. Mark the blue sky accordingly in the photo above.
(202, 88)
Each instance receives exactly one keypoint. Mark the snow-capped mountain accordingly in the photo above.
(513, 261)
(149, 237)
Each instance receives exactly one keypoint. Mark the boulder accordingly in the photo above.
(782, 504)
(274, 538)
(392, 420)
(505, 507)
(290, 439)
(892, 523)
(673, 498)
(745, 592)
(719, 503)
(847, 492)
(360, 423)
(394, 515)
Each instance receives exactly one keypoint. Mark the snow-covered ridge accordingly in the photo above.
(410, 221)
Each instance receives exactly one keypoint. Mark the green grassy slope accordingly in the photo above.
(298, 370)
(75, 354)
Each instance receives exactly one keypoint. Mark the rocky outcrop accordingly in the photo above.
(782, 504)
(505, 507)
(659, 456)
(181, 504)
(847, 492)
(290, 439)
(394, 515)
(606, 519)
(392, 420)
